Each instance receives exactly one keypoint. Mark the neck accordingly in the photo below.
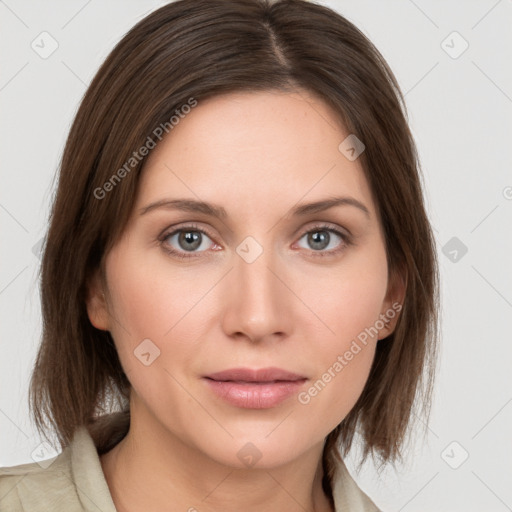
(150, 471)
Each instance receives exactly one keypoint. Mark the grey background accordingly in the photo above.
(460, 114)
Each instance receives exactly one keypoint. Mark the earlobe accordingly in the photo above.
(393, 303)
(96, 304)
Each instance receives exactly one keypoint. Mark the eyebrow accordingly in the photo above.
(194, 206)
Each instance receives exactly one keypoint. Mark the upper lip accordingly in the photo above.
(259, 375)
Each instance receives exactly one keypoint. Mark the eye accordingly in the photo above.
(323, 237)
(186, 239)
(190, 241)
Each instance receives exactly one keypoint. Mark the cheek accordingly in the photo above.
(150, 297)
(343, 361)
(152, 300)
(350, 304)
(144, 306)
(349, 298)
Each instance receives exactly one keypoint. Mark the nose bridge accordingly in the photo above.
(257, 306)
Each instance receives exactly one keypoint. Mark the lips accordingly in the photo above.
(261, 375)
(255, 389)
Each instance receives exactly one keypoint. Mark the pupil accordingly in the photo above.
(192, 238)
(319, 239)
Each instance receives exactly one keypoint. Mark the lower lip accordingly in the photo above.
(250, 395)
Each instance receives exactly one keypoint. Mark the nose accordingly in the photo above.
(258, 305)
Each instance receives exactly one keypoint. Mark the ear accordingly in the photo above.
(96, 303)
(393, 302)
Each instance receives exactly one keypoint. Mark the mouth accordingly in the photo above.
(263, 375)
(255, 389)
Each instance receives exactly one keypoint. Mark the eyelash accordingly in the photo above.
(346, 240)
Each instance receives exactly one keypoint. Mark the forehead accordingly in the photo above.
(254, 148)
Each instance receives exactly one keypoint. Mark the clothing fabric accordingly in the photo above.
(74, 482)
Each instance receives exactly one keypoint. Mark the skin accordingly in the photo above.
(257, 155)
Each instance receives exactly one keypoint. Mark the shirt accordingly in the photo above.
(74, 481)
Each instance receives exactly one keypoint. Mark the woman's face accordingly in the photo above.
(264, 282)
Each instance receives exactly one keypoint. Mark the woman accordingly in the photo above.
(239, 273)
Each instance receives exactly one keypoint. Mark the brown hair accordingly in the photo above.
(198, 49)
